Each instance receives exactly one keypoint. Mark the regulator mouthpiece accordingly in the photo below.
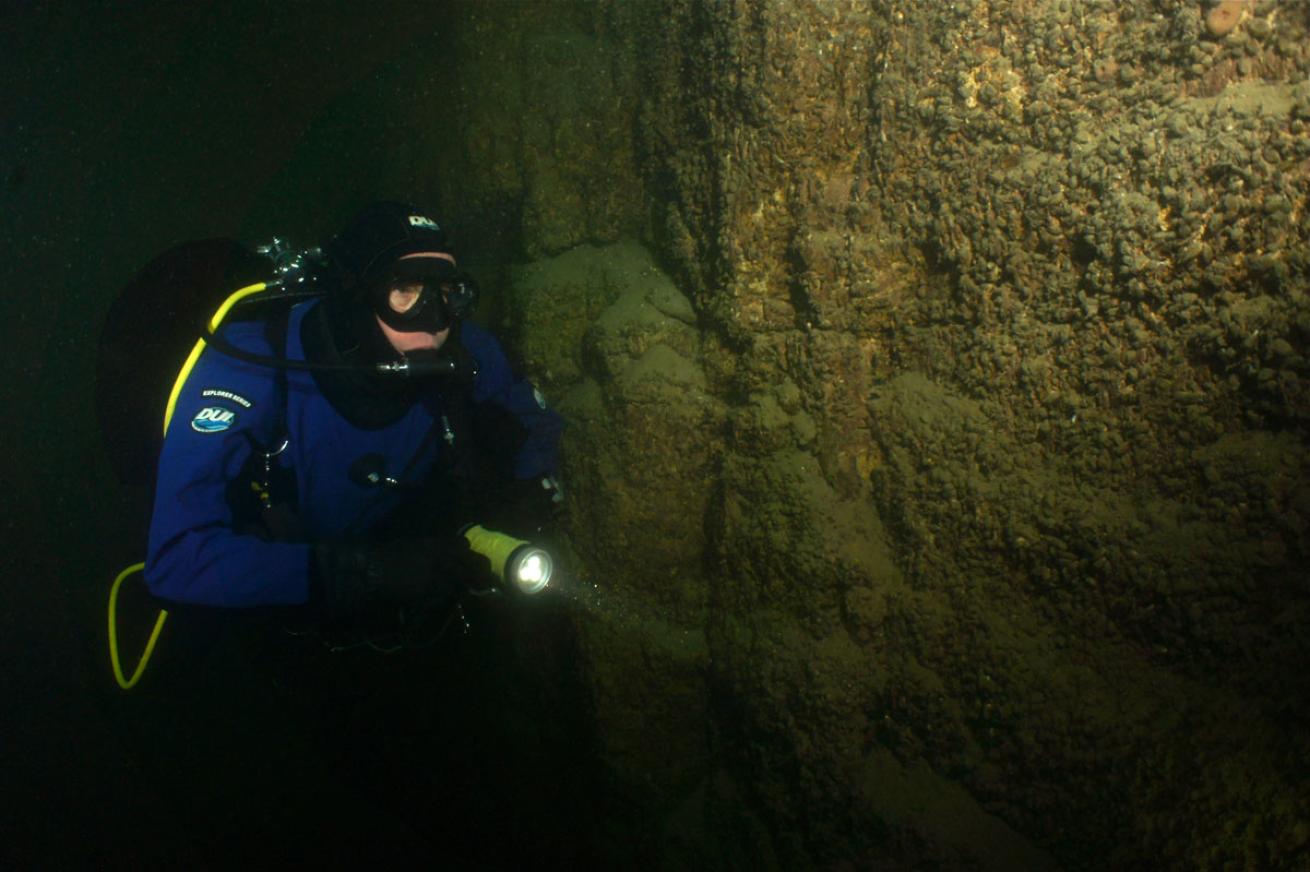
(518, 565)
(428, 364)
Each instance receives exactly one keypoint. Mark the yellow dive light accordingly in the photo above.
(522, 567)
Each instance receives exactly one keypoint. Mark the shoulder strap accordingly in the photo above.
(275, 332)
(262, 487)
(265, 446)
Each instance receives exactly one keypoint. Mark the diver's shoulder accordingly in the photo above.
(246, 335)
(472, 330)
(478, 339)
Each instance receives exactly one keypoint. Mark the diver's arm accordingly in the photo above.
(537, 456)
(195, 553)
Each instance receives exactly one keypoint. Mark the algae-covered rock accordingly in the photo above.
(640, 453)
(552, 303)
(538, 154)
(971, 443)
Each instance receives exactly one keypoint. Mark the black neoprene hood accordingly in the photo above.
(381, 233)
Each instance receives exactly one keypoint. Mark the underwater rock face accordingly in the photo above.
(623, 362)
(534, 127)
(992, 487)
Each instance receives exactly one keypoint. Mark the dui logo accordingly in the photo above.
(213, 419)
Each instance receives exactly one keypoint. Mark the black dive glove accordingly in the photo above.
(353, 577)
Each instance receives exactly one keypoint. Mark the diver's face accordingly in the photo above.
(402, 298)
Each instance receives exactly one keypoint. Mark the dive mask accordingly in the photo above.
(423, 295)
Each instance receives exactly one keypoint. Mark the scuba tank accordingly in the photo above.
(150, 327)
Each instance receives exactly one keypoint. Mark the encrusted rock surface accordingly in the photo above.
(949, 505)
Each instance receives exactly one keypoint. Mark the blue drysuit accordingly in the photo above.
(195, 553)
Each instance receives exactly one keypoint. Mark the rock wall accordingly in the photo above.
(948, 505)
(533, 119)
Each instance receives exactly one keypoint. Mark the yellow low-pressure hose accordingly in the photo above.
(185, 371)
(215, 320)
(123, 682)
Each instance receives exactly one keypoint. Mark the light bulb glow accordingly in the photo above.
(532, 571)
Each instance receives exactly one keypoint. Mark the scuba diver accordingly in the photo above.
(339, 454)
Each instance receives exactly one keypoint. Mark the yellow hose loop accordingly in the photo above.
(214, 321)
(129, 683)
